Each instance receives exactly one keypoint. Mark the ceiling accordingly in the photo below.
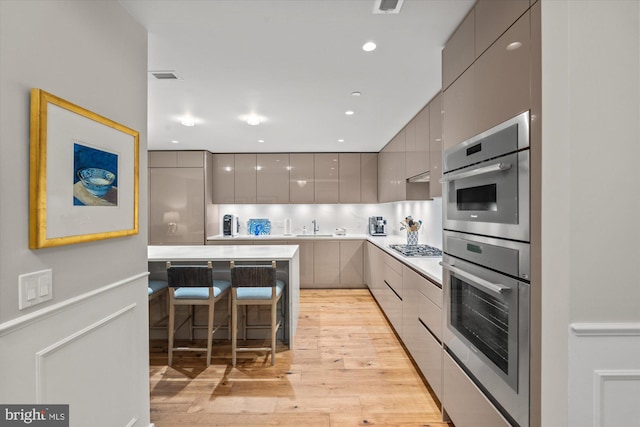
(295, 65)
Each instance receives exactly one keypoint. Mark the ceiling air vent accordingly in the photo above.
(387, 6)
(164, 75)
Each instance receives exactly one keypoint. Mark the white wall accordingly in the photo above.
(353, 217)
(590, 195)
(93, 54)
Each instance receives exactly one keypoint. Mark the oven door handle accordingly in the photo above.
(497, 167)
(493, 287)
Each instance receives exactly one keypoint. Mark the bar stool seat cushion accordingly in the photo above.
(219, 286)
(259, 293)
(156, 286)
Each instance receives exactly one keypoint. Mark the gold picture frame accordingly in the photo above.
(84, 175)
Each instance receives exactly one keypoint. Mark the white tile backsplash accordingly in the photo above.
(353, 217)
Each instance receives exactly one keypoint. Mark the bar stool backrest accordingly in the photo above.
(183, 276)
(263, 276)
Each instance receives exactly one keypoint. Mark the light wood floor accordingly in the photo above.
(348, 369)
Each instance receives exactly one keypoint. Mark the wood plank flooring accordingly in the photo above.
(348, 369)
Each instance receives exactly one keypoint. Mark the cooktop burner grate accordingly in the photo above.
(417, 250)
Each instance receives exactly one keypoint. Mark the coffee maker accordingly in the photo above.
(377, 226)
(230, 225)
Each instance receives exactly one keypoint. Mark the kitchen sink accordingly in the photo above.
(314, 235)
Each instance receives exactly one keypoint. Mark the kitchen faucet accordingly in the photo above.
(315, 226)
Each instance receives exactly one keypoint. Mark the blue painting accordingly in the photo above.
(95, 177)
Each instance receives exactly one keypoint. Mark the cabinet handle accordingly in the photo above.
(497, 167)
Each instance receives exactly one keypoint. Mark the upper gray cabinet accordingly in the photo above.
(417, 155)
(245, 178)
(459, 52)
(223, 179)
(369, 177)
(301, 181)
(494, 88)
(492, 18)
(326, 170)
(435, 146)
(272, 178)
(350, 183)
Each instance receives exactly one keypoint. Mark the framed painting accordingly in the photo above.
(84, 172)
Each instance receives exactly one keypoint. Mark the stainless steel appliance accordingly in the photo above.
(417, 250)
(230, 225)
(486, 182)
(486, 310)
(377, 226)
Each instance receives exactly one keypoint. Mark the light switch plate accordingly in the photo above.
(35, 288)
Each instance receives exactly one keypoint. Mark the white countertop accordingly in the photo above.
(221, 253)
(427, 266)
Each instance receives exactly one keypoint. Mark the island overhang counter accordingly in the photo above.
(286, 257)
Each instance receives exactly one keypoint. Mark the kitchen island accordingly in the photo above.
(286, 257)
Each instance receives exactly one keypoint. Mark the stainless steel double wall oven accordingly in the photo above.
(486, 263)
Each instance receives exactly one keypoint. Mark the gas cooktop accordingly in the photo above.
(417, 250)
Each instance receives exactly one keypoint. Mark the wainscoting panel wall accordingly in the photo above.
(89, 352)
(604, 374)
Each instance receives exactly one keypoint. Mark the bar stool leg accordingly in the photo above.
(210, 333)
(234, 330)
(171, 327)
(274, 315)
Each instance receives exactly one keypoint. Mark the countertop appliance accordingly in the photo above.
(230, 225)
(377, 226)
(417, 250)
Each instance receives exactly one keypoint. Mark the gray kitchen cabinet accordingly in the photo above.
(369, 177)
(326, 177)
(502, 77)
(435, 146)
(464, 402)
(459, 51)
(301, 178)
(391, 299)
(349, 173)
(178, 199)
(223, 186)
(410, 149)
(492, 18)
(398, 148)
(459, 120)
(375, 270)
(326, 264)
(351, 263)
(306, 254)
(272, 177)
(417, 144)
(386, 189)
(245, 178)
(494, 88)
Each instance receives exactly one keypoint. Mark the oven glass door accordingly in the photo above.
(483, 316)
(490, 198)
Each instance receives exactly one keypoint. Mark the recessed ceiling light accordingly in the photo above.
(369, 46)
(261, 140)
(341, 140)
(174, 141)
(188, 121)
(253, 120)
(349, 113)
(356, 93)
(514, 45)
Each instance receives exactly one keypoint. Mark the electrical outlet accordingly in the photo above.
(35, 288)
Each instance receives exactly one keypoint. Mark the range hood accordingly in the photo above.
(423, 177)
